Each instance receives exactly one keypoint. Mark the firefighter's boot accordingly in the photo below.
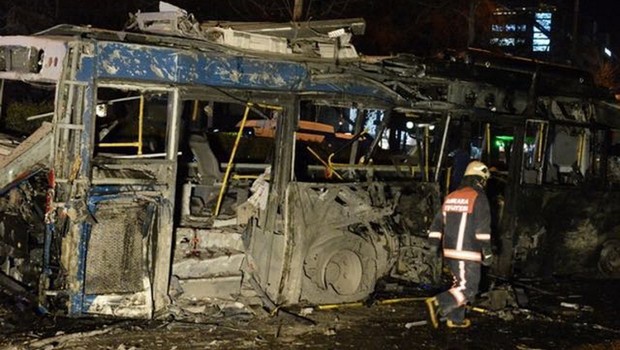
(433, 311)
(456, 324)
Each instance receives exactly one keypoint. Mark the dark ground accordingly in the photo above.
(543, 324)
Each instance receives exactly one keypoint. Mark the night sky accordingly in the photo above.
(605, 13)
(392, 25)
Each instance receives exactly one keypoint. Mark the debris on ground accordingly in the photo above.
(500, 297)
(383, 323)
(209, 311)
(63, 339)
(577, 306)
(511, 300)
(416, 324)
(329, 332)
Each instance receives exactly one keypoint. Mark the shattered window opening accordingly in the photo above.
(212, 128)
(573, 155)
(131, 123)
(329, 138)
(25, 106)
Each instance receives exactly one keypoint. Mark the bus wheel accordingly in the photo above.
(339, 269)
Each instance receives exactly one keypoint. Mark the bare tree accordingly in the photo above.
(457, 23)
(606, 75)
(429, 26)
(287, 10)
(298, 10)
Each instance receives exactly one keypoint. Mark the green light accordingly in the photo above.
(504, 140)
(501, 140)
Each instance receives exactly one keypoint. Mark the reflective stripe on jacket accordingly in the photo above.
(463, 224)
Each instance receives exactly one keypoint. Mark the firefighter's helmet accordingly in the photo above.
(478, 169)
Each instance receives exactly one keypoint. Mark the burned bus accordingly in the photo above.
(207, 163)
(159, 167)
(551, 138)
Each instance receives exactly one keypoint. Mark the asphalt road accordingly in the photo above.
(581, 314)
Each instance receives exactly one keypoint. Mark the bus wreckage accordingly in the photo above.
(235, 161)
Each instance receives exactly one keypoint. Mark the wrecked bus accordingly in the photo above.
(551, 138)
(173, 167)
(161, 167)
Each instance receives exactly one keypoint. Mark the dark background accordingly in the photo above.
(420, 26)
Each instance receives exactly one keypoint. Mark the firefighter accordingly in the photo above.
(463, 229)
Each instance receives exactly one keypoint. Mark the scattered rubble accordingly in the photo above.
(329, 332)
(416, 324)
(62, 340)
(577, 307)
(370, 325)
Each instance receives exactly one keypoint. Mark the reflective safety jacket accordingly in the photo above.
(463, 224)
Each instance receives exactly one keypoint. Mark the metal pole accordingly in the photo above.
(174, 120)
(539, 144)
(232, 157)
(426, 152)
(294, 158)
(195, 111)
(581, 150)
(1, 96)
(487, 136)
(123, 99)
(140, 124)
(443, 145)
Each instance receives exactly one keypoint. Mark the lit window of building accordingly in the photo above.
(540, 35)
